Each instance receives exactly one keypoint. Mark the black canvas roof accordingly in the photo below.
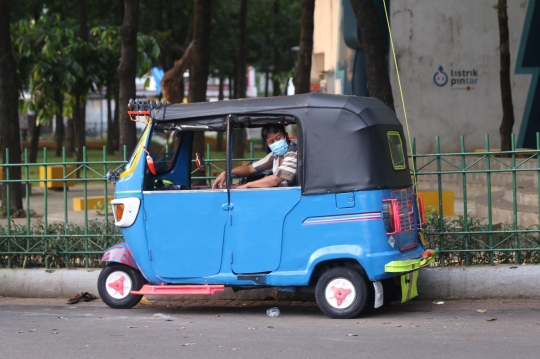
(342, 140)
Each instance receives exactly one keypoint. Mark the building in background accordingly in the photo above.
(448, 58)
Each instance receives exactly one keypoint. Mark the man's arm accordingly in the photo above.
(268, 181)
(240, 171)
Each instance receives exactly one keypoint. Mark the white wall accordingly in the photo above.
(457, 35)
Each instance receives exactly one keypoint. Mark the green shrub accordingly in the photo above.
(58, 245)
(481, 245)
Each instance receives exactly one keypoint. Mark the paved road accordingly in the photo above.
(233, 329)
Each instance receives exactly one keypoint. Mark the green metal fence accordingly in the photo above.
(497, 201)
(49, 232)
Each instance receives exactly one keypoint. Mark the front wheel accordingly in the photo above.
(115, 283)
(341, 293)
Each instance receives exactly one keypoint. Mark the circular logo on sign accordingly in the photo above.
(440, 78)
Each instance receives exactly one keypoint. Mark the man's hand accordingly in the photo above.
(220, 180)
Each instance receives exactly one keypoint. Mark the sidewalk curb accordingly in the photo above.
(476, 282)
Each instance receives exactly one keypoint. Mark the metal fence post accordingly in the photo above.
(490, 215)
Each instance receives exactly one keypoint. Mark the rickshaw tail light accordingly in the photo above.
(119, 212)
(391, 216)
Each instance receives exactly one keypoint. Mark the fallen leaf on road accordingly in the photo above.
(54, 332)
(161, 316)
(252, 328)
(181, 328)
(145, 301)
(146, 326)
(20, 332)
(168, 320)
(78, 297)
(219, 315)
(33, 330)
(31, 321)
(132, 327)
(386, 322)
(481, 310)
(491, 319)
(398, 326)
(62, 318)
(414, 326)
(235, 349)
(352, 335)
(271, 327)
(187, 344)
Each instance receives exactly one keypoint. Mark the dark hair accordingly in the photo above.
(270, 129)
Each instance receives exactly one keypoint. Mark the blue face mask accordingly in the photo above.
(280, 147)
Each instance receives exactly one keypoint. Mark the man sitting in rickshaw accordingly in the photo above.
(281, 161)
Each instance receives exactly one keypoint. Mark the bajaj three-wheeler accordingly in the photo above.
(349, 230)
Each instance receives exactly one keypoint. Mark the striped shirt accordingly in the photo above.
(287, 169)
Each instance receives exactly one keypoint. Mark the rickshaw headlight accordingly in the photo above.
(125, 211)
(119, 212)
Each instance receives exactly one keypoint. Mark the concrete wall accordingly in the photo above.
(459, 35)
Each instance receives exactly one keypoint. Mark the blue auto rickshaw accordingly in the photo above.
(348, 231)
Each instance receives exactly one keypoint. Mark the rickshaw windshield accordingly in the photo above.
(163, 147)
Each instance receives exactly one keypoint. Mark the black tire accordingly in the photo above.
(114, 298)
(352, 303)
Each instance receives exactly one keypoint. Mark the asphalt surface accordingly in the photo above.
(49, 328)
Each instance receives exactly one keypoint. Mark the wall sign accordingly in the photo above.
(461, 79)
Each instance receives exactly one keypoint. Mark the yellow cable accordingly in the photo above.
(401, 93)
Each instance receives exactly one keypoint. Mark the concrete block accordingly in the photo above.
(434, 283)
(78, 202)
(431, 199)
(56, 172)
(479, 282)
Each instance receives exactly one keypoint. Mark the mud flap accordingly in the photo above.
(408, 286)
(379, 294)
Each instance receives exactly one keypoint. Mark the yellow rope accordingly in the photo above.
(401, 93)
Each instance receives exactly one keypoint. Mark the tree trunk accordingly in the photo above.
(116, 122)
(79, 128)
(127, 72)
(239, 145)
(59, 120)
(378, 81)
(276, 84)
(303, 68)
(198, 73)
(172, 84)
(231, 87)
(110, 123)
(83, 21)
(266, 82)
(34, 140)
(9, 114)
(70, 137)
(221, 97)
(507, 123)
(80, 125)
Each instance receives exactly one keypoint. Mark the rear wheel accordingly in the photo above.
(341, 293)
(115, 283)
